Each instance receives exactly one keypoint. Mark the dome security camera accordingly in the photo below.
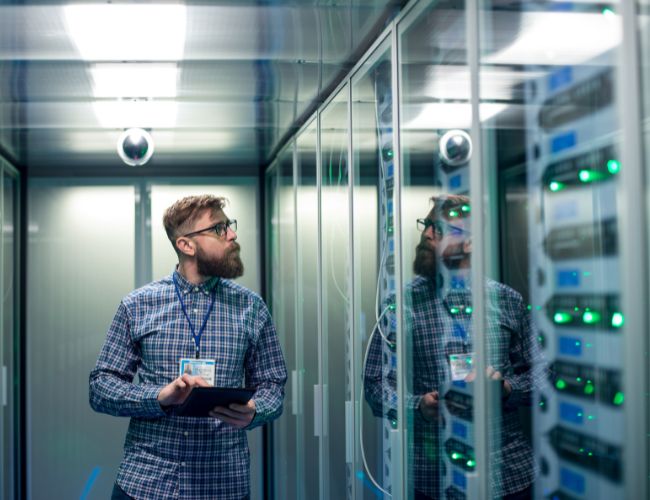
(135, 147)
(455, 147)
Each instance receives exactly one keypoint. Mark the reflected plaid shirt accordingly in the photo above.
(435, 333)
(183, 457)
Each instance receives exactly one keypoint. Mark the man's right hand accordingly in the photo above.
(176, 392)
(429, 406)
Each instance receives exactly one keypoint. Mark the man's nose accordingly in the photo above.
(230, 234)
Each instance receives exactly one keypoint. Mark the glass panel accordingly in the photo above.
(283, 291)
(374, 273)
(81, 261)
(335, 237)
(437, 302)
(9, 334)
(552, 143)
(307, 303)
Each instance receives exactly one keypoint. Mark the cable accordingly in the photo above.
(365, 360)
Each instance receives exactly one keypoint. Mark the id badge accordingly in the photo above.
(198, 368)
(461, 365)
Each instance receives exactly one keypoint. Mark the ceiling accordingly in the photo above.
(219, 85)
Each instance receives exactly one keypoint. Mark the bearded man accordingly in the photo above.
(195, 321)
(437, 312)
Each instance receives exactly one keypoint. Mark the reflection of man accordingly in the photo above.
(438, 315)
(195, 316)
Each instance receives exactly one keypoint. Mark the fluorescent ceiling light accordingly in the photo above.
(560, 38)
(139, 113)
(134, 79)
(442, 115)
(110, 32)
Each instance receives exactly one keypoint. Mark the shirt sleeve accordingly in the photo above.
(529, 369)
(266, 370)
(380, 379)
(112, 390)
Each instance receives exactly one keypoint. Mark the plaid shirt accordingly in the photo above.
(167, 456)
(435, 333)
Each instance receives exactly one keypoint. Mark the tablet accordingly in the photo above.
(203, 399)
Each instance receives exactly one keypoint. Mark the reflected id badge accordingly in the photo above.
(461, 365)
(198, 367)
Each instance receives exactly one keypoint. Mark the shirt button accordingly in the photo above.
(186, 433)
(182, 464)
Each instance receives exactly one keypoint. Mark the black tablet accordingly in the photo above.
(203, 399)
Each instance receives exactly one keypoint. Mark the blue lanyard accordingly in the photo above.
(197, 338)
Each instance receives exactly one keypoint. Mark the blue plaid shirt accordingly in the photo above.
(167, 456)
(433, 334)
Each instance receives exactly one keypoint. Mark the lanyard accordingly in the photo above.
(197, 338)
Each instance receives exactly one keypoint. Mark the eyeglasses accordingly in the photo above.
(440, 228)
(220, 228)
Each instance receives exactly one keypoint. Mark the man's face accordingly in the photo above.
(443, 241)
(216, 255)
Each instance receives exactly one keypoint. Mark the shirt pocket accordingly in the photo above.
(161, 347)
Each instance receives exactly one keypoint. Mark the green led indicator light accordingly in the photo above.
(541, 403)
(453, 213)
(617, 320)
(556, 186)
(582, 450)
(455, 456)
(540, 338)
(471, 463)
(454, 310)
(393, 423)
(468, 310)
(590, 454)
(577, 343)
(588, 344)
(530, 308)
(590, 417)
(586, 175)
(560, 384)
(591, 317)
(618, 398)
(578, 379)
(607, 11)
(562, 317)
(465, 208)
(589, 388)
(539, 308)
(586, 274)
(613, 166)
(576, 309)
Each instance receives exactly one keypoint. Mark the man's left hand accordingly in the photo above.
(237, 415)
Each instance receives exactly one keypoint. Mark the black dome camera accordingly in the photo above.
(455, 147)
(135, 147)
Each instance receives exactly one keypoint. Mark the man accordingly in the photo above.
(438, 317)
(197, 314)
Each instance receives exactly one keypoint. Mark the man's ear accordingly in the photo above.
(186, 246)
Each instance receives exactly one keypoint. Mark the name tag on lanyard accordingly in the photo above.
(198, 368)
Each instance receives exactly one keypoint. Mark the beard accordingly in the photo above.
(229, 266)
(426, 262)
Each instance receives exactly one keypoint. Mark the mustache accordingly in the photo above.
(423, 247)
(235, 248)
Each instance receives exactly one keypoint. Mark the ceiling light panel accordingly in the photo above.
(146, 32)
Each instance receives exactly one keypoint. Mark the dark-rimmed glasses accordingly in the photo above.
(440, 228)
(220, 228)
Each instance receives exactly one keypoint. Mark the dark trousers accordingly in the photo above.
(118, 494)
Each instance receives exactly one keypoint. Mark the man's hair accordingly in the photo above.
(181, 216)
(451, 206)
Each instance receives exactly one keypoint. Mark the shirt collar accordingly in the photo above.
(207, 287)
